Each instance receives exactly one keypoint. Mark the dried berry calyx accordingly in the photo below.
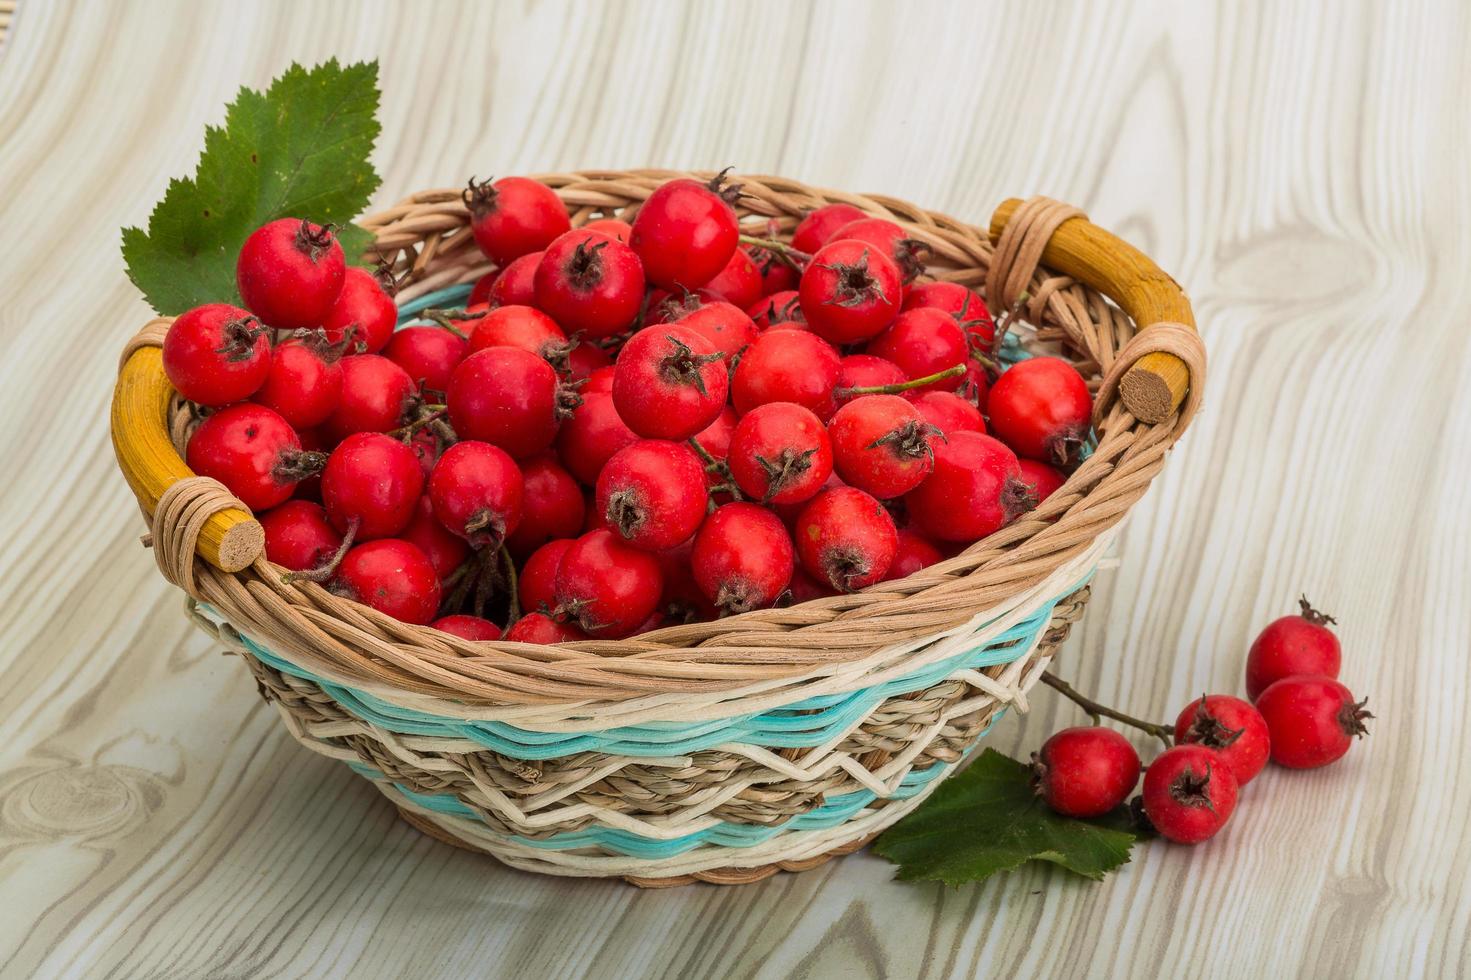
(1351, 718)
(240, 335)
(479, 196)
(855, 284)
(729, 193)
(910, 440)
(682, 365)
(785, 470)
(313, 242)
(585, 270)
(1312, 615)
(1192, 789)
(1208, 730)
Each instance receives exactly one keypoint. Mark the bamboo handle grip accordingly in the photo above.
(1156, 385)
(232, 539)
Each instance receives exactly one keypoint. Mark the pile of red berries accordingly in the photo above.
(1302, 718)
(628, 426)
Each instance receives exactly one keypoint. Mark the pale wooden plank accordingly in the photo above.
(1301, 169)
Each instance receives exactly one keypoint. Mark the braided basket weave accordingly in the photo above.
(720, 751)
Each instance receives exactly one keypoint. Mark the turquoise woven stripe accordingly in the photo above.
(804, 724)
(834, 811)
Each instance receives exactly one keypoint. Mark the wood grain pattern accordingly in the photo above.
(1301, 168)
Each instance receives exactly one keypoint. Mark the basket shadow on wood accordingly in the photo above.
(720, 751)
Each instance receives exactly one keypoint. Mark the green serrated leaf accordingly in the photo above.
(988, 819)
(300, 150)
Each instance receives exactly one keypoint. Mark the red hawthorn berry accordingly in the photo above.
(253, 452)
(445, 550)
(514, 216)
(591, 283)
(669, 382)
(780, 454)
(376, 396)
(606, 587)
(472, 628)
(363, 314)
(779, 309)
(612, 227)
(552, 505)
(540, 628)
(1043, 479)
(915, 552)
(965, 305)
(652, 494)
(949, 412)
(817, 226)
(1312, 720)
(1085, 772)
(428, 355)
(591, 436)
(391, 576)
(850, 292)
(538, 580)
(305, 382)
(1189, 793)
(520, 326)
(510, 398)
(742, 558)
(787, 366)
(477, 492)
(516, 285)
(289, 272)
(299, 536)
(906, 251)
(1300, 644)
(686, 232)
(1042, 409)
(882, 445)
(739, 282)
(975, 489)
(777, 276)
(371, 485)
(217, 354)
(725, 326)
(1232, 727)
(846, 538)
(923, 342)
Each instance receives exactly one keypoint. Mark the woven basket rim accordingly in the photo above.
(426, 237)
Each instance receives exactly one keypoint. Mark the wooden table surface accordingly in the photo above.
(1304, 169)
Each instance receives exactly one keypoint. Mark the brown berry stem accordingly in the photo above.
(954, 371)
(1098, 711)
(325, 571)
(703, 452)
(431, 415)
(513, 600)
(791, 256)
(1312, 615)
(445, 319)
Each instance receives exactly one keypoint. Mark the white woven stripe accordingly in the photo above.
(794, 846)
(693, 816)
(891, 663)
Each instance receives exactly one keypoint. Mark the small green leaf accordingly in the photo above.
(298, 150)
(988, 819)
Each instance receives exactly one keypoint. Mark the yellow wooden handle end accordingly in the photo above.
(1156, 385)
(232, 539)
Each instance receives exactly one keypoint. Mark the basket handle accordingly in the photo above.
(231, 539)
(1153, 389)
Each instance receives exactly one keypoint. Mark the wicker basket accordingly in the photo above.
(720, 751)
